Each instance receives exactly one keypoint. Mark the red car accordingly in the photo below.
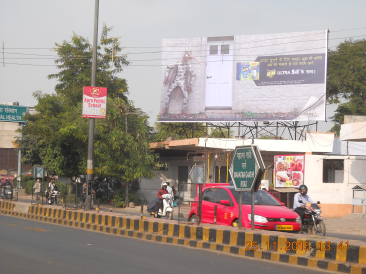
(269, 212)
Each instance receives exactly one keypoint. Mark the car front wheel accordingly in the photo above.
(193, 219)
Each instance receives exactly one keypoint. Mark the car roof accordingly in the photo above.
(227, 187)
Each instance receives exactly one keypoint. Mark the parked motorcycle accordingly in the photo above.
(313, 224)
(167, 207)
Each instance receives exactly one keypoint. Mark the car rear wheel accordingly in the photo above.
(193, 219)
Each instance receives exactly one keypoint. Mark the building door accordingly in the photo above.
(182, 178)
(223, 173)
(219, 75)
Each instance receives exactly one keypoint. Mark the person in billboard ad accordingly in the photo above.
(180, 75)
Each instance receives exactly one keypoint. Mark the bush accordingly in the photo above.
(27, 184)
(63, 189)
(119, 197)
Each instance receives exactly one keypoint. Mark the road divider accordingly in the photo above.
(327, 254)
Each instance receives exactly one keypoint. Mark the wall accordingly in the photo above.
(315, 142)
(335, 198)
(149, 187)
(8, 134)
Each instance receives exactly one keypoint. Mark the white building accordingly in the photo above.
(332, 167)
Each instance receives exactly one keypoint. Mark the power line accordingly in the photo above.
(245, 48)
(305, 34)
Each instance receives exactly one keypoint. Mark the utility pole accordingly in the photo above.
(89, 164)
(126, 183)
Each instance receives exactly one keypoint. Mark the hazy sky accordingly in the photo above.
(27, 25)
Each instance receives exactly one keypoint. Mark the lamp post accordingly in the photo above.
(90, 163)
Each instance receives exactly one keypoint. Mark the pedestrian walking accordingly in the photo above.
(37, 189)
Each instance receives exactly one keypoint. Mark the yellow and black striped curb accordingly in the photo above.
(303, 252)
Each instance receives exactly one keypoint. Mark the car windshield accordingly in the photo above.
(261, 198)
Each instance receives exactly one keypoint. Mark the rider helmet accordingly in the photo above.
(164, 184)
(303, 189)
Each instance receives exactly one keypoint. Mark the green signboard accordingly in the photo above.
(12, 113)
(246, 168)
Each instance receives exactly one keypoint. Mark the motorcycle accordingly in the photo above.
(167, 207)
(313, 224)
(8, 193)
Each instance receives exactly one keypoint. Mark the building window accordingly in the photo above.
(333, 171)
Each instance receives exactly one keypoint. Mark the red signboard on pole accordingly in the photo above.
(94, 102)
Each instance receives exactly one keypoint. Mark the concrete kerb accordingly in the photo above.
(294, 249)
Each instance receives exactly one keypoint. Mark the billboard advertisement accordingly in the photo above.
(94, 102)
(274, 77)
(289, 170)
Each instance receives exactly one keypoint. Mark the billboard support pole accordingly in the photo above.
(240, 211)
(89, 164)
(20, 157)
(252, 209)
(227, 167)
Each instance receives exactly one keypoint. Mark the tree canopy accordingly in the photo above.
(56, 136)
(346, 80)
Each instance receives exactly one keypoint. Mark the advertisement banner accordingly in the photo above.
(12, 113)
(274, 77)
(94, 102)
(289, 170)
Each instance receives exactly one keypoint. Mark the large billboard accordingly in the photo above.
(244, 78)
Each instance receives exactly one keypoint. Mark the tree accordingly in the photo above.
(346, 80)
(60, 131)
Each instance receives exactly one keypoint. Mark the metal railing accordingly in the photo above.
(185, 199)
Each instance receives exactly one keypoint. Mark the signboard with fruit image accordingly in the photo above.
(289, 170)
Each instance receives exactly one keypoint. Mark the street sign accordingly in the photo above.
(247, 168)
(197, 174)
(12, 113)
(39, 172)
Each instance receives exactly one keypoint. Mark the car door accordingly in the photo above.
(208, 203)
(225, 213)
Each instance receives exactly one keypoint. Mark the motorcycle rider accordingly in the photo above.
(2, 185)
(300, 200)
(161, 192)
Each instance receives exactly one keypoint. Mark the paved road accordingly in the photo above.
(343, 236)
(29, 246)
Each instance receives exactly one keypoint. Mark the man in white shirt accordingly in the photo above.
(300, 200)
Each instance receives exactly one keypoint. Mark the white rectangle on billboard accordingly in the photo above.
(94, 102)
(245, 78)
